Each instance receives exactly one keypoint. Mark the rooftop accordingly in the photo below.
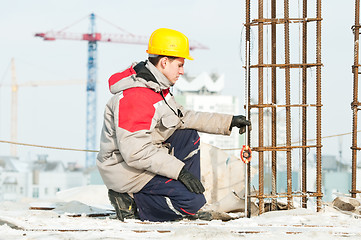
(204, 82)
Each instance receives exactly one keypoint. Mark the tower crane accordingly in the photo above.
(92, 38)
(14, 100)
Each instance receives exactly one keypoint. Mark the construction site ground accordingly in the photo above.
(19, 221)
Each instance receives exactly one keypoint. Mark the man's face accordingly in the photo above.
(172, 69)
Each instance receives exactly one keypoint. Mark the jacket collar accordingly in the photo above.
(162, 80)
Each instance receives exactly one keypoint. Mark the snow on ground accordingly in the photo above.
(18, 221)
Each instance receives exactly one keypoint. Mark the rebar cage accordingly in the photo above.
(284, 98)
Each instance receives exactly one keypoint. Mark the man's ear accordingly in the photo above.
(163, 62)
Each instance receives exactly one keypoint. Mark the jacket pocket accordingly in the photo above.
(170, 121)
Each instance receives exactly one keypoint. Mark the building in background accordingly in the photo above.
(40, 178)
(336, 177)
(14, 178)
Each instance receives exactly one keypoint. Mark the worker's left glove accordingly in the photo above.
(241, 122)
(190, 181)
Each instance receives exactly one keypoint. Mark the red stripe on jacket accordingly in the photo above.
(116, 77)
(136, 108)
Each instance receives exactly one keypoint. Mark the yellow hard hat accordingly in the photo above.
(168, 42)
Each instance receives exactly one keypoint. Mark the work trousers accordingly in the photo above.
(165, 199)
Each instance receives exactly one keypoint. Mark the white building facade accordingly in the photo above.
(40, 179)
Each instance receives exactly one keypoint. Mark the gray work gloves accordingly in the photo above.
(241, 122)
(190, 181)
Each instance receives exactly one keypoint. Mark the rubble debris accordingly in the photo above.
(279, 206)
(77, 209)
(347, 204)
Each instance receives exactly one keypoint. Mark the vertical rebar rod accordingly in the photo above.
(248, 90)
(246, 189)
(318, 108)
(260, 110)
(274, 101)
(354, 104)
(288, 102)
(304, 101)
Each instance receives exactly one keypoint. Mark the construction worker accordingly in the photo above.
(149, 155)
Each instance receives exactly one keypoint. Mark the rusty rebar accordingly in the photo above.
(294, 65)
(355, 103)
(318, 109)
(288, 102)
(274, 101)
(356, 191)
(304, 105)
(268, 21)
(260, 110)
(284, 195)
(282, 148)
(248, 93)
(304, 101)
(271, 105)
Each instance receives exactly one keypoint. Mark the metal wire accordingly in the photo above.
(43, 146)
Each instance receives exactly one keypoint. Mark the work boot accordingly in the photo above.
(201, 215)
(123, 204)
(211, 215)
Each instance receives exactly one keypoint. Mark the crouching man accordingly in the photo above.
(149, 155)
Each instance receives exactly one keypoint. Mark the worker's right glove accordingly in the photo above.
(241, 122)
(190, 181)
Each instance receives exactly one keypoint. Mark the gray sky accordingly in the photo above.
(55, 116)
